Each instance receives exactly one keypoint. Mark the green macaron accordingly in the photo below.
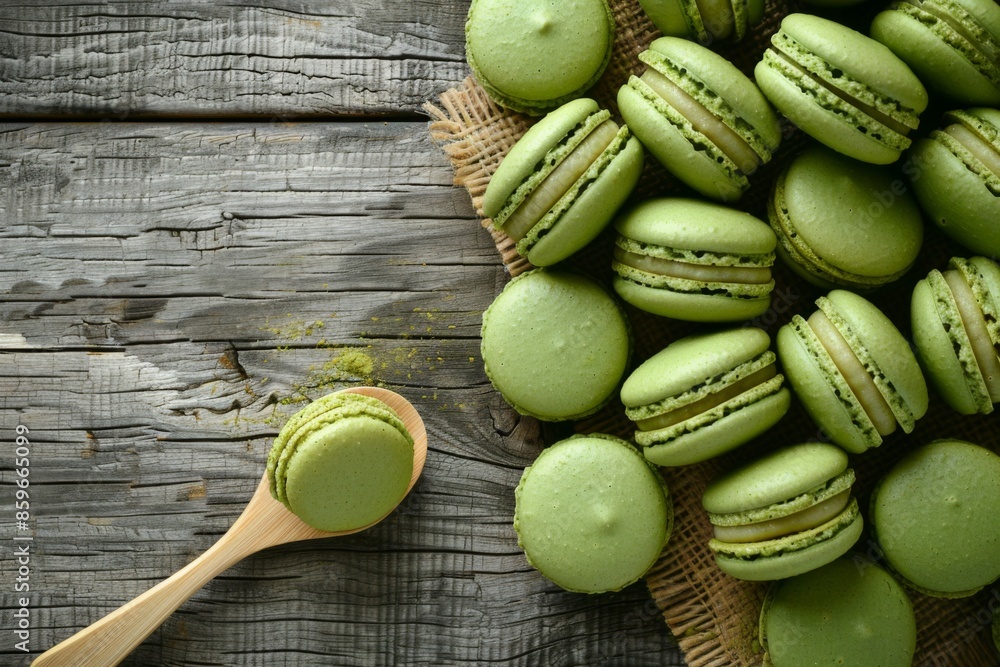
(936, 517)
(841, 223)
(563, 182)
(952, 45)
(702, 118)
(704, 395)
(955, 317)
(321, 464)
(703, 21)
(555, 344)
(591, 514)
(853, 371)
(842, 88)
(783, 514)
(848, 612)
(956, 178)
(693, 260)
(534, 55)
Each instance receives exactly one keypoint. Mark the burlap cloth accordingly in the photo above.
(714, 616)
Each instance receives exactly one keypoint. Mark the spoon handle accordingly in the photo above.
(108, 641)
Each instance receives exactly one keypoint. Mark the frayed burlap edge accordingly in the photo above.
(713, 616)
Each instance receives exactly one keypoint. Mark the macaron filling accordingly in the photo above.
(586, 144)
(854, 372)
(806, 519)
(958, 28)
(680, 90)
(708, 272)
(718, 17)
(974, 323)
(977, 145)
(833, 487)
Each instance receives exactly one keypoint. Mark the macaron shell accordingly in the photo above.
(791, 563)
(691, 361)
(774, 478)
(667, 136)
(849, 612)
(691, 306)
(723, 435)
(523, 158)
(593, 209)
(936, 516)
(900, 380)
(591, 514)
(955, 198)
(534, 56)
(671, 17)
(935, 349)
(822, 390)
(331, 482)
(555, 344)
(940, 55)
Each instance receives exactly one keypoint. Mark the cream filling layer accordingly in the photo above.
(704, 121)
(808, 518)
(694, 409)
(975, 328)
(557, 183)
(758, 275)
(976, 145)
(867, 109)
(858, 379)
(718, 17)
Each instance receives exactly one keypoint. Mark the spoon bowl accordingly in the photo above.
(264, 523)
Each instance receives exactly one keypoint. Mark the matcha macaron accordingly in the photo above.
(956, 329)
(936, 517)
(555, 344)
(956, 178)
(533, 55)
(952, 45)
(841, 223)
(703, 21)
(591, 514)
(322, 466)
(693, 260)
(704, 395)
(842, 88)
(853, 371)
(562, 183)
(702, 118)
(786, 513)
(849, 612)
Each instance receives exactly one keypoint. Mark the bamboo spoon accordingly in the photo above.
(264, 523)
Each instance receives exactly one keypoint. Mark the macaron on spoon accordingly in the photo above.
(264, 523)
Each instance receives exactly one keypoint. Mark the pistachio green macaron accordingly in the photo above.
(534, 55)
(853, 371)
(342, 462)
(704, 395)
(591, 514)
(955, 318)
(936, 517)
(842, 88)
(841, 223)
(563, 181)
(705, 22)
(786, 513)
(555, 344)
(693, 260)
(952, 45)
(956, 177)
(849, 612)
(702, 118)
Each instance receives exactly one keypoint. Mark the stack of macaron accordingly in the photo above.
(841, 216)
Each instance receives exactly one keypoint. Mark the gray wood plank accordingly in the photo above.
(170, 294)
(281, 59)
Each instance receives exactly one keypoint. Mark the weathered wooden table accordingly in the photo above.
(211, 213)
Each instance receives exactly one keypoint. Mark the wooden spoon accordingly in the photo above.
(264, 523)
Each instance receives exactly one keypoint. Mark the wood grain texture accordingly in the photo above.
(282, 59)
(169, 295)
